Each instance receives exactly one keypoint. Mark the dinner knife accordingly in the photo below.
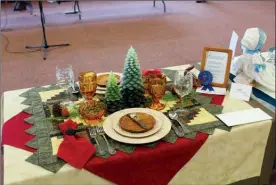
(135, 118)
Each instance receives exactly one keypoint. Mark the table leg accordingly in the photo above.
(76, 10)
(163, 1)
(164, 6)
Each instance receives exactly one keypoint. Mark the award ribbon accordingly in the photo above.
(206, 79)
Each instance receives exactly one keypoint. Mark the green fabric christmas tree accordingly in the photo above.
(132, 87)
(112, 95)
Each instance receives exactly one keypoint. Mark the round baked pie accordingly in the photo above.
(129, 125)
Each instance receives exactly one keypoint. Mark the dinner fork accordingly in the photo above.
(93, 134)
(101, 132)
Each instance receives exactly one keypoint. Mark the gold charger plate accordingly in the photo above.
(103, 78)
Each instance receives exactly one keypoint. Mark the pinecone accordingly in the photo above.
(57, 110)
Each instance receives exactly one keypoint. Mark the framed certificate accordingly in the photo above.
(218, 62)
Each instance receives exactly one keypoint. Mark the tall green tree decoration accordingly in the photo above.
(132, 87)
(112, 95)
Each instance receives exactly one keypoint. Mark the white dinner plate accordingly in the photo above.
(156, 128)
(115, 117)
(101, 88)
(100, 91)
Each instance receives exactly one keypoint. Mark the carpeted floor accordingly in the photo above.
(99, 41)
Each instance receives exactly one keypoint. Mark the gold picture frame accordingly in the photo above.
(214, 60)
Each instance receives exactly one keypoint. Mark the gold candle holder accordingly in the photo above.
(92, 111)
(88, 84)
(157, 89)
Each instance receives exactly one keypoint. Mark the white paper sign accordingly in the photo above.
(240, 91)
(216, 63)
(243, 117)
(233, 43)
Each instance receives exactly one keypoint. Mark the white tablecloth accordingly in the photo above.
(225, 157)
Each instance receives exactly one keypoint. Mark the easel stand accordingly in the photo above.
(45, 45)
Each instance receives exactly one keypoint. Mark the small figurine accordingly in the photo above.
(252, 67)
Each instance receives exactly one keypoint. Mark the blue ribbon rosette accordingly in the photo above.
(206, 79)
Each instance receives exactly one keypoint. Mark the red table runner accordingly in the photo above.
(144, 166)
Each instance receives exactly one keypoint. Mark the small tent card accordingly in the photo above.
(218, 62)
(240, 91)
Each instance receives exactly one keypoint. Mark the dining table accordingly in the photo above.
(243, 155)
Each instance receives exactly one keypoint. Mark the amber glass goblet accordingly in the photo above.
(88, 76)
(157, 89)
(146, 85)
(88, 84)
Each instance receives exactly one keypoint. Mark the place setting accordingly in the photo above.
(103, 115)
(136, 109)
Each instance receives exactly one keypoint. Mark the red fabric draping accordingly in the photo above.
(144, 166)
(14, 134)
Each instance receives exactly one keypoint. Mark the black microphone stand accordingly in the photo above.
(45, 45)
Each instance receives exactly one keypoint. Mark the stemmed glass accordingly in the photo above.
(88, 84)
(157, 89)
(64, 75)
(183, 84)
(72, 84)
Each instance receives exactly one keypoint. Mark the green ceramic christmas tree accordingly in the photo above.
(112, 95)
(132, 88)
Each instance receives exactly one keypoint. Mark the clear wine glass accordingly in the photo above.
(64, 77)
(183, 84)
(72, 84)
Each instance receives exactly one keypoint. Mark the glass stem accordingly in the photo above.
(67, 94)
(182, 107)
